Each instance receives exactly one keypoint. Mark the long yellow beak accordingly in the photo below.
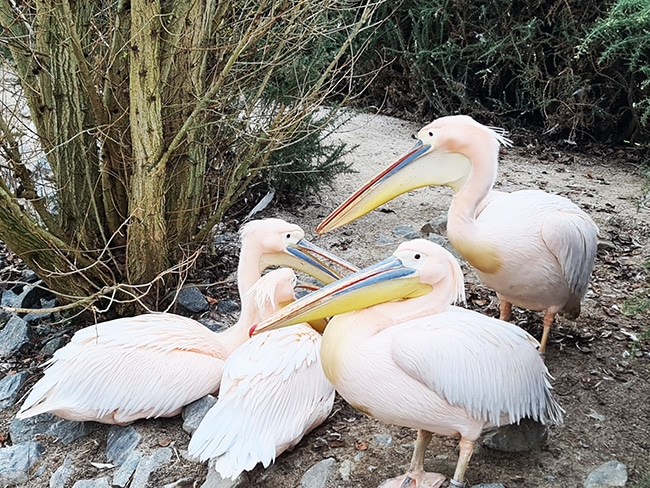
(399, 177)
(382, 282)
(308, 258)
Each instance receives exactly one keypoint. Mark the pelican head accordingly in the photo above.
(442, 156)
(274, 290)
(417, 268)
(280, 243)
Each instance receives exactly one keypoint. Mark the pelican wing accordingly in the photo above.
(136, 367)
(487, 366)
(571, 236)
(273, 392)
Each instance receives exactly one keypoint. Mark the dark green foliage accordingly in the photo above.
(579, 69)
(618, 47)
(304, 166)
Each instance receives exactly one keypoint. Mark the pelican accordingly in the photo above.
(273, 392)
(152, 365)
(535, 249)
(398, 351)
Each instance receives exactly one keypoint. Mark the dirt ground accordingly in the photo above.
(602, 375)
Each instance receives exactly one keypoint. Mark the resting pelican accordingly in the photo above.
(420, 362)
(273, 392)
(535, 249)
(152, 365)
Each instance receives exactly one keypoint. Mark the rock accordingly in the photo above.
(437, 225)
(13, 336)
(195, 411)
(608, 475)
(53, 345)
(30, 317)
(27, 295)
(65, 431)
(318, 474)
(148, 464)
(33, 295)
(10, 385)
(228, 306)
(192, 300)
(62, 473)
(382, 440)
(121, 442)
(123, 474)
(17, 462)
(213, 325)
(384, 241)
(437, 239)
(345, 469)
(489, 485)
(214, 480)
(525, 436)
(406, 232)
(98, 483)
(9, 299)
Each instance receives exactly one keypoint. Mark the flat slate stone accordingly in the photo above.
(318, 475)
(17, 461)
(10, 385)
(62, 473)
(120, 443)
(13, 336)
(609, 475)
(522, 437)
(66, 431)
(195, 411)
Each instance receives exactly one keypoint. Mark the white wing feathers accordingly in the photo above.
(94, 376)
(440, 355)
(273, 392)
(571, 236)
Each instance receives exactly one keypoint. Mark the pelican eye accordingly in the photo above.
(288, 236)
(417, 256)
(430, 133)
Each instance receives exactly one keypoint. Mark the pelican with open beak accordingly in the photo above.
(397, 350)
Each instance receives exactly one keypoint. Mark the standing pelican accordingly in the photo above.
(273, 392)
(152, 365)
(420, 362)
(535, 249)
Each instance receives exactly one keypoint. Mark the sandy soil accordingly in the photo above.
(603, 389)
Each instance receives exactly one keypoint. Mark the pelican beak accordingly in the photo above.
(399, 177)
(308, 258)
(383, 282)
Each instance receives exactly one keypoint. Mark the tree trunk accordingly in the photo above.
(147, 231)
(53, 260)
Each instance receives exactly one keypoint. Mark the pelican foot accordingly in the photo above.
(415, 480)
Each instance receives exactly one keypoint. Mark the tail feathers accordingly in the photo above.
(39, 399)
(245, 457)
(232, 452)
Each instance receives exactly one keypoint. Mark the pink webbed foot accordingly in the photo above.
(415, 480)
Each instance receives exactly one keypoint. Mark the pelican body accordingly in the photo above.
(152, 365)
(398, 350)
(272, 393)
(535, 249)
(146, 366)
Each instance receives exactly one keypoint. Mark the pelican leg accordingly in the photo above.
(505, 310)
(466, 449)
(416, 477)
(549, 317)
